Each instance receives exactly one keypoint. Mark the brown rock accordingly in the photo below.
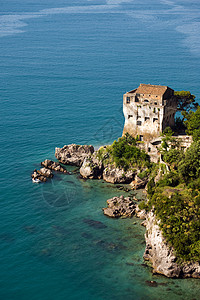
(52, 165)
(119, 207)
(73, 154)
(113, 174)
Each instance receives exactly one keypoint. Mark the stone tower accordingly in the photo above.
(148, 110)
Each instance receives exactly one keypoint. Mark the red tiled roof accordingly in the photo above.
(151, 89)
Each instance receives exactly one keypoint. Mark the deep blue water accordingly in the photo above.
(64, 69)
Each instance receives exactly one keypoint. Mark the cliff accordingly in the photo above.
(162, 256)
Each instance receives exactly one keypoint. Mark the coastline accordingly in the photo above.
(164, 260)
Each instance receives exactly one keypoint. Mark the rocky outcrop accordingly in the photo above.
(41, 175)
(162, 257)
(116, 175)
(52, 165)
(92, 167)
(139, 183)
(119, 206)
(73, 154)
(140, 213)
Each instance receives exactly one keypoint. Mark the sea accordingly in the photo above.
(65, 66)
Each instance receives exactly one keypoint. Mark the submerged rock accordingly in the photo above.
(119, 207)
(86, 235)
(95, 224)
(92, 167)
(73, 154)
(151, 283)
(52, 165)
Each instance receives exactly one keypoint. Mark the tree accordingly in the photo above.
(189, 166)
(192, 123)
(185, 101)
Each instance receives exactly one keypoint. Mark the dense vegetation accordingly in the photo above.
(185, 100)
(192, 123)
(175, 197)
(125, 154)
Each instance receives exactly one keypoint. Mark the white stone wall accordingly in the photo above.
(149, 114)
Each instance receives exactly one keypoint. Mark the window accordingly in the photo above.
(141, 138)
(136, 99)
(155, 103)
(139, 123)
(155, 119)
(146, 100)
(149, 149)
(146, 118)
(128, 99)
(130, 116)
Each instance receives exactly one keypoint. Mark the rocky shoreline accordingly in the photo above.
(46, 172)
(91, 166)
(162, 256)
(158, 252)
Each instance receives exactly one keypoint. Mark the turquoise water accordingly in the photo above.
(64, 69)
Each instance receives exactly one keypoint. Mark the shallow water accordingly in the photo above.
(64, 69)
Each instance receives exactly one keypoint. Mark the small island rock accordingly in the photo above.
(52, 165)
(41, 175)
(119, 206)
(73, 154)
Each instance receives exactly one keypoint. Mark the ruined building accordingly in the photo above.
(148, 110)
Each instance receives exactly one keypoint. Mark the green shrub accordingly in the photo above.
(170, 179)
(144, 174)
(143, 205)
(125, 154)
(180, 221)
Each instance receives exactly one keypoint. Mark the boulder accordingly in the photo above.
(113, 174)
(41, 175)
(46, 172)
(73, 154)
(119, 207)
(52, 165)
(92, 167)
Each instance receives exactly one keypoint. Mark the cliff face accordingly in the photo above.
(162, 257)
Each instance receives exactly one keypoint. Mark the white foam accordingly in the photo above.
(117, 2)
(10, 24)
